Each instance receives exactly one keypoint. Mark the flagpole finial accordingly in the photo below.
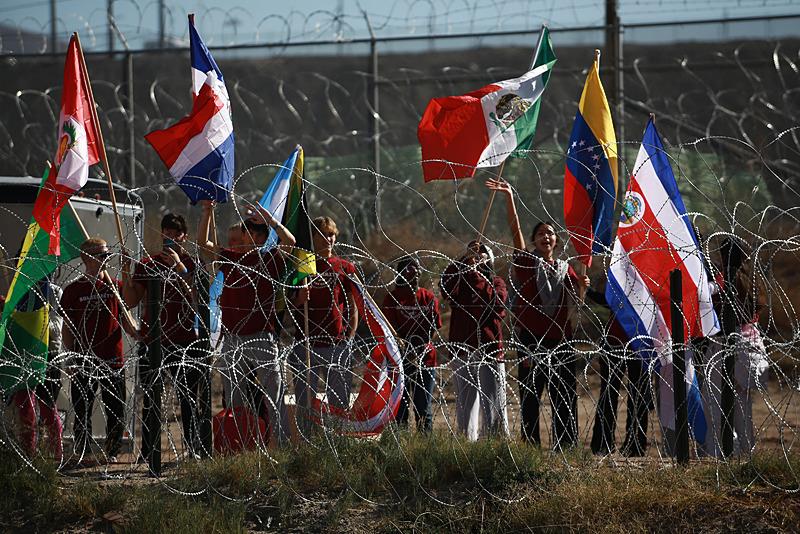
(653, 117)
(191, 19)
(597, 54)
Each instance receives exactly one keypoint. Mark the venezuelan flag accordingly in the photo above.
(590, 177)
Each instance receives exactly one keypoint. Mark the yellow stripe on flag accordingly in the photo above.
(597, 114)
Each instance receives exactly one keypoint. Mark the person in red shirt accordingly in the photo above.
(181, 357)
(92, 332)
(477, 299)
(413, 312)
(252, 279)
(545, 287)
(332, 323)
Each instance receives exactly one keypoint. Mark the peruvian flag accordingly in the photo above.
(481, 129)
(78, 144)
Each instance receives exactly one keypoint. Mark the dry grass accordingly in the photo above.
(410, 482)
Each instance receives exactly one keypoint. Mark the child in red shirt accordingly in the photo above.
(92, 331)
(413, 312)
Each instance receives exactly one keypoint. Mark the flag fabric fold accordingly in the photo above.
(655, 237)
(382, 384)
(199, 149)
(78, 147)
(285, 198)
(481, 129)
(590, 176)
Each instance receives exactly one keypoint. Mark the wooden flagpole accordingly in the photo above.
(491, 201)
(103, 155)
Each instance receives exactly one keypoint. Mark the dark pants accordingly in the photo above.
(612, 367)
(184, 368)
(418, 392)
(555, 370)
(85, 384)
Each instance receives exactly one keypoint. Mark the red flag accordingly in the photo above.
(78, 147)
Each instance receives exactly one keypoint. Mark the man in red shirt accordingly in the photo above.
(92, 331)
(181, 358)
(413, 312)
(332, 322)
(252, 279)
(477, 299)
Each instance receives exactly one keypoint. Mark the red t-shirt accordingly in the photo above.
(478, 307)
(414, 315)
(527, 306)
(328, 303)
(248, 294)
(177, 313)
(91, 312)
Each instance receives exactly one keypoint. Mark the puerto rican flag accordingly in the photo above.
(382, 384)
(655, 237)
(198, 150)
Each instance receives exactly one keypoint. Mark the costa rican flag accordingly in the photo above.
(198, 150)
(654, 238)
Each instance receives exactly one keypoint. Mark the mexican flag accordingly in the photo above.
(23, 325)
(285, 198)
(481, 129)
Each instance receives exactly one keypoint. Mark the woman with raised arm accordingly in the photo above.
(544, 286)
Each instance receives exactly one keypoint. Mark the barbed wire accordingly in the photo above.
(729, 117)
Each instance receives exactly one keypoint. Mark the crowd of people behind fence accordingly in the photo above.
(261, 369)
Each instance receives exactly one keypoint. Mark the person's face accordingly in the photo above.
(235, 237)
(409, 275)
(545, 239)
(94, 262)
(323, 242)
(475, 255)
(178, 236)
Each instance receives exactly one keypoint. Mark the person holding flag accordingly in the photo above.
(477, 298)
(655, 237)
(252, 276)
(92, 333)
(199, 149)
(326, 318)
(546, 287)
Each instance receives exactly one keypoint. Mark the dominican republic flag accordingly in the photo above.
(382, 385)
(481, 129)
(654, 238)
(590, 177)
(78, 147)
(198, 150)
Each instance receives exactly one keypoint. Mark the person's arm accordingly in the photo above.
(209, 251)
(287, 239)
(503, 187)
(353, 315)
(133, 290)
(449, 281)
(501, 296)
(578, 281)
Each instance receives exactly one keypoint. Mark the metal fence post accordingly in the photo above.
(727, 395)
(205, 345)
(679, 367)
(153, 385)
